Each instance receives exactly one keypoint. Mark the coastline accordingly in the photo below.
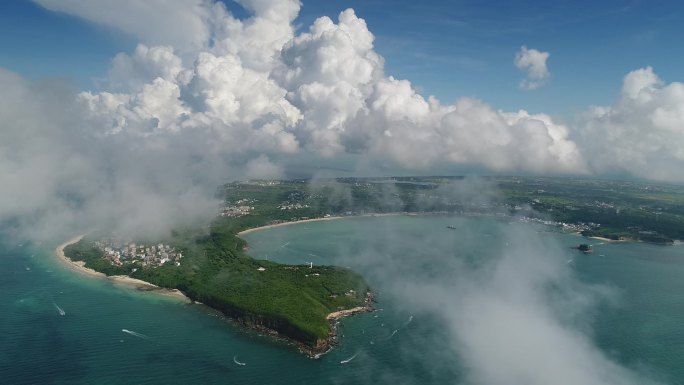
(321, 348)
(324, 346)
(123, 280)
(608, 239)
(253, 229)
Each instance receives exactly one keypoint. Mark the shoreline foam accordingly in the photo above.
(123, 280)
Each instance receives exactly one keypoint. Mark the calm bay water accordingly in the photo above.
(181, 343)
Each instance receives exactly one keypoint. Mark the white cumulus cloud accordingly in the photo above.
(533, 63)
(642, 133)
(254, 86)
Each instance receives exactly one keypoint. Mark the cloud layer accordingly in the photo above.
(223, 98)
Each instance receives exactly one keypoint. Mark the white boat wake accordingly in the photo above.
(139, 335)
(349, 359)
(59, 309)
(238, 362)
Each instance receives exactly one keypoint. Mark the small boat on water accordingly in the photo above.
(452, 227)
(59, 309)
(349, 359)
(238, 362)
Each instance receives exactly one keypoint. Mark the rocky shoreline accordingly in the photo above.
(322, 346)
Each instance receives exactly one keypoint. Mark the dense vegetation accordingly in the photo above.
(613, 209)
(293, 300)
(618, 209)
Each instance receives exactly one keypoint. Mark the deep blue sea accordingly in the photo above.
(487, 302)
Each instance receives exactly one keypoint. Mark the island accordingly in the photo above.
(302, 303)
(585, 248)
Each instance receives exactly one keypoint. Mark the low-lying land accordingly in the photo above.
(301, 302)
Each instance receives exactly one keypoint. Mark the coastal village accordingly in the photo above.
(121, 253)
(240, 208)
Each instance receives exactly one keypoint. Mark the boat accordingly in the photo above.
(238, 362)
(349, 359)
(59, 309)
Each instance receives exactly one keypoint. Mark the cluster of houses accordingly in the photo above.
(260, 182)
(235, 211)
(238, 209)
(124, 253)
(568, 227)
(292, 206)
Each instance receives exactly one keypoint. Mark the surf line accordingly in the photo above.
(238, 362)
(139, 335)
(349, 359)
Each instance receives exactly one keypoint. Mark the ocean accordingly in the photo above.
(469, 305)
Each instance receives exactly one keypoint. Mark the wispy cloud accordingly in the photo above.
(512, 313)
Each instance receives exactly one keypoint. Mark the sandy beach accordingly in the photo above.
(288, 223)
(313, 220)
(123, 280)
(606, 239)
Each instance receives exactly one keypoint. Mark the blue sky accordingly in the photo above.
(446, 48)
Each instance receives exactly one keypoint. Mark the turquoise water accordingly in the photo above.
(638, 324)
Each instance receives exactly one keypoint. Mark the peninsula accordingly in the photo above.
(301, 303)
